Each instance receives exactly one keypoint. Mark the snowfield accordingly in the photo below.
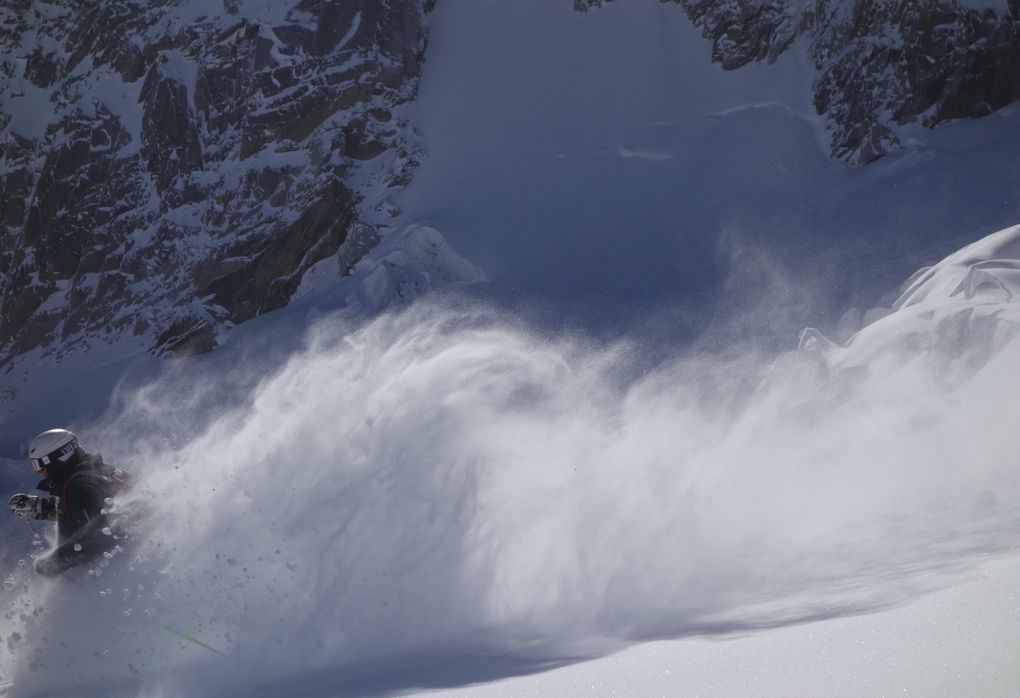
(961, 641)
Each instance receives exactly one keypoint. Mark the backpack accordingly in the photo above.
(118, 481)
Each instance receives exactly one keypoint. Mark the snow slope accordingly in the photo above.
(956, 642)
(536, 471)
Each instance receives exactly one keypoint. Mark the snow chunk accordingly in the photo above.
(417, 262)
(960, 311)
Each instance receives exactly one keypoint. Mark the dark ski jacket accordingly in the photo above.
(80, 493)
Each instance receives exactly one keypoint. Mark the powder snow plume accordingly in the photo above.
(448, 479)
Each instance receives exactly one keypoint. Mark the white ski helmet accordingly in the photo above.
(55, 445)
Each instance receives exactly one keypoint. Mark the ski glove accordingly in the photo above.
(49, 566)
(29, 506)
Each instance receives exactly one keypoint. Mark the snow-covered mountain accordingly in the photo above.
(174, 168)
(617, 438)
(882, 65)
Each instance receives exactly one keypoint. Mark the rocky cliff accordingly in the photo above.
(167, 170)
(882, 64)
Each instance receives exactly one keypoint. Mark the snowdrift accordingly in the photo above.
(942, 311)
(444, 479)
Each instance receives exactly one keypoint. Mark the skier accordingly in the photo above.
(79, 484)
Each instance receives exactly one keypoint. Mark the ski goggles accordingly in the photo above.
(40, 464)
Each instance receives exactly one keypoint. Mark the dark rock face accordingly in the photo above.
(168, 172)
(932, 62)
(881, 63)
(742, 32)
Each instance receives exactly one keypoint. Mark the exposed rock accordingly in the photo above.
(887, 64)
(362, 239)
(187, 337)
(881, 63)
(169, 170)
(746, 30)
(272, 276)
(171, 143)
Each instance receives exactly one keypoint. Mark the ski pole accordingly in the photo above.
(193, 640)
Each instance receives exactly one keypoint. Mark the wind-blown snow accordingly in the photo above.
(451, 478)
(445, 479)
